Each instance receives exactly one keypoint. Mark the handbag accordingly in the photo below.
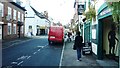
(74, 47)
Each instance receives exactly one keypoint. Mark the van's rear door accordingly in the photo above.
(59, 33)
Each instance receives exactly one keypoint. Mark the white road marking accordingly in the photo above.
(22, 57)
(34, 52)
(20, 63)
(13, 62)
(62, 56)
(39, 50)
(40, 46)
(28, 57)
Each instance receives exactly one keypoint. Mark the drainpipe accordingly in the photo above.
(19, 31)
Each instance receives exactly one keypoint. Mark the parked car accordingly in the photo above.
(56, 34)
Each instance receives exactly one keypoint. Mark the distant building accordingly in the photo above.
(35, 24)
(11, 20)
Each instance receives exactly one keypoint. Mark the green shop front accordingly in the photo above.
(100, 30)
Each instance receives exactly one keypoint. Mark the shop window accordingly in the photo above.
(14, 28)
(9, 28)
(9, 13)
(1, 10)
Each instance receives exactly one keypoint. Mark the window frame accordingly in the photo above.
(1, 9)
(9, 28)
(18, 16)
(9, 16)
(15, 14)
(14, 28)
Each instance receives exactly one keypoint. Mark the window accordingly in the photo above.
(14, 28)
(9, 13)
(9, 28)
(1, 10)
(18, 16)
(30, 27)
(14, 17)
(22, 18)
(22, 30)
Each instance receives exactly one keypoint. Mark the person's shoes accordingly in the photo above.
(80, 60)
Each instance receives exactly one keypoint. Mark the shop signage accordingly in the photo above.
(80, 9)
(94, 48)
(105, 11)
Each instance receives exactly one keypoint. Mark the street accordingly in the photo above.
(35, 52)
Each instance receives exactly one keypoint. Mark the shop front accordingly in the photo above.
(87, 31)
(103, 28)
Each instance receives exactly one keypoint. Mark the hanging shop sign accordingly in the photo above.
(80, 9)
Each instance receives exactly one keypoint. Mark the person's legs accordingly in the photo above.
(78, 53)
(110, 49)
(113, 50)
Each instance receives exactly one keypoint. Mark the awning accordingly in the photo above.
(42, 27)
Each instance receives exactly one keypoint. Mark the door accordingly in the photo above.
(0, 32)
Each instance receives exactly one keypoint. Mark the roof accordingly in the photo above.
(18, 6)
(38, 13)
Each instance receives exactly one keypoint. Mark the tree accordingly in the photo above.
(115, 9)
(91, 13)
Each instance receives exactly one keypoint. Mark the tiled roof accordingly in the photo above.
(38, 13)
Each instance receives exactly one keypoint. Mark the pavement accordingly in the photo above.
(88, 61)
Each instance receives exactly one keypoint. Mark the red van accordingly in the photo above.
(56, 34)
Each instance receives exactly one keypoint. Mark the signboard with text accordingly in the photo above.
(80, 9)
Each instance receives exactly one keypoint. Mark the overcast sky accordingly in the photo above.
(59, 10)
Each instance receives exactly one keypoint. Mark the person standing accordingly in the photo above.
(78, 44)
(111, 39)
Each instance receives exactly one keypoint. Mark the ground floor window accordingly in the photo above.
(42, 31)
(22, 30)
(9, 29)
(14, 28)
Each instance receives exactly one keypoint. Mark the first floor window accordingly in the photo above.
(9, 28)
(14, 28)
(1, 9)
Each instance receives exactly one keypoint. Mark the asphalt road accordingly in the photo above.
(35, 52)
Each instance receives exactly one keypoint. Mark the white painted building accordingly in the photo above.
(33, 23)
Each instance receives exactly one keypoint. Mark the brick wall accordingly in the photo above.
(12, 21)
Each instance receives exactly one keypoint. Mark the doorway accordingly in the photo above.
(106, 27)
(42, 31)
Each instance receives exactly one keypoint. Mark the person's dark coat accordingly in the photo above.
(78, 41)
